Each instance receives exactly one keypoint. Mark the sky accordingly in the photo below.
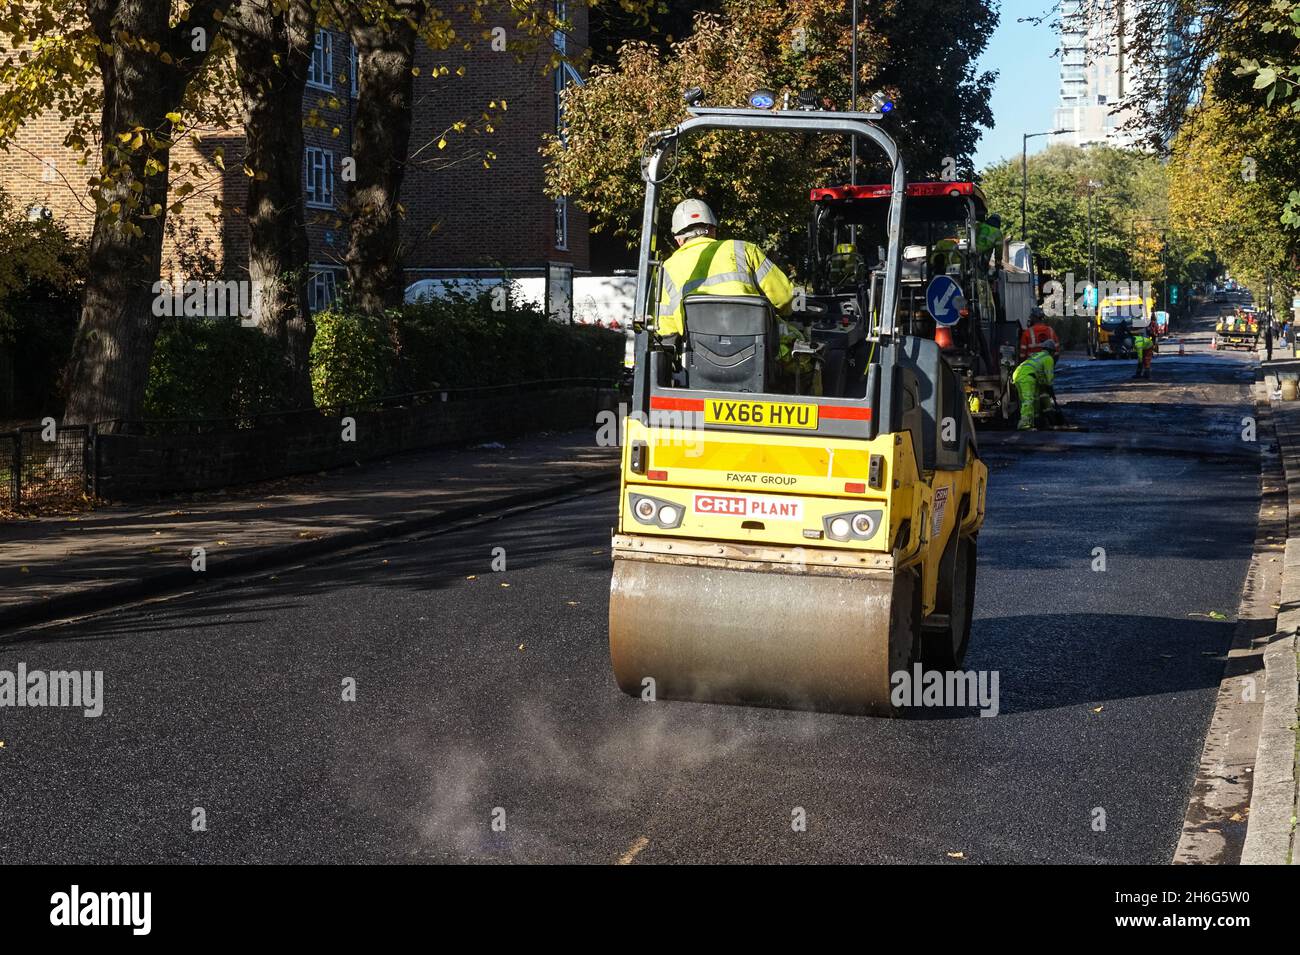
(1027, 88)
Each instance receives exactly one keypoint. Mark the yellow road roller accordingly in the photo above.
(791, 547)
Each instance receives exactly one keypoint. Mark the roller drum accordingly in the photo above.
(795, 640)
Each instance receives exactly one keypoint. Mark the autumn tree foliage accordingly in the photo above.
(921, 53)
(120, 70)
(132, 78)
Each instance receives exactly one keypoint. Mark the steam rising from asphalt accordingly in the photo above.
(533, 766)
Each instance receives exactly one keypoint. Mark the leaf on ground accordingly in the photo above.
(956, 855)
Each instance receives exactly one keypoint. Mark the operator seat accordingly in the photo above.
(731, 343)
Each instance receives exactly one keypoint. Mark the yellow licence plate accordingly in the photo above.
(766, 414)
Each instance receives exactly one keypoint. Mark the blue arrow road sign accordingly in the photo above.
(941, 300)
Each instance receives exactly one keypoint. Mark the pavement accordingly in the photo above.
(418, 701)
(55, 566)
(1275, 803)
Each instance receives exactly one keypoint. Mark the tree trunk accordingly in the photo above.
(109, 366)
(273, 46)
(385, 84)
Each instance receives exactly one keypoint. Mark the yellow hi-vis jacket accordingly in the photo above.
(1038, 368)
(705, 266)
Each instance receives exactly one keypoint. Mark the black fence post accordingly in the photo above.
(17, 465)
(90, 460)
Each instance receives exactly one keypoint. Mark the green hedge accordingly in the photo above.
(205, 368)
(455, 342)
(351, 357)
(211, 368)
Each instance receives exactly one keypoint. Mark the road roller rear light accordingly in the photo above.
(657, 475)
(657, 513)
(855, 487)
(856, 525)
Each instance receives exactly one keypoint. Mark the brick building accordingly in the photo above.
(462, 219)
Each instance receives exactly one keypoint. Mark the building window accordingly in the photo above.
(321, 71)
(562, 223)
(558, 38)
(352, 69)
(320, 178)
(560, 82)
(321, 289)
(561, 43)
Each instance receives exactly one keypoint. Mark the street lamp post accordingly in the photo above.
(1093, 185)
(1024, 175)
(853, 98)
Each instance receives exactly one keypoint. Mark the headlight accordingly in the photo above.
(651, 510)
(863, 525)
(839, 528)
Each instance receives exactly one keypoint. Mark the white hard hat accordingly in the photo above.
(692, 212)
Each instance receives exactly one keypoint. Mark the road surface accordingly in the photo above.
(487, 727)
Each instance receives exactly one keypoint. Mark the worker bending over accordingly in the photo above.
(706, 265)
(1033, 379)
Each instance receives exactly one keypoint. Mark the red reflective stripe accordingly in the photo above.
(677, 404)
(697, 404)
(850, 414)
(921, 190)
